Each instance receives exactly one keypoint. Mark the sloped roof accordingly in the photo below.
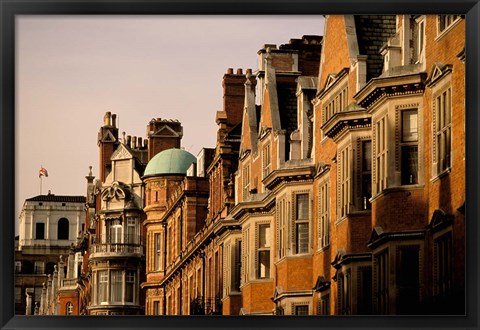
(373, 31)
(58, 198)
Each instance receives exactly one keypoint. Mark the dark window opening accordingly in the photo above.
(39, 230)
(63, 225)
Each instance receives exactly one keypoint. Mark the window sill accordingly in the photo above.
(389, 190)
(323, 249)
(441, 175)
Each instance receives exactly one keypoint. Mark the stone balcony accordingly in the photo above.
(109, 250)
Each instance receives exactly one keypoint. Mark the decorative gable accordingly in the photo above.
(108, 137)
(438, 71)
(330, 80)
(121, 153)
(377, 232)
(165, 131)
(440, 220)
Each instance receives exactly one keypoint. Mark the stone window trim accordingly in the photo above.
(363, 180)
(442, 91)
(295, 223)
(445, 23)
(104, 284)
(380, 159)
(262, 248)
(323, 216)
(281, 236)
(344, 182)
(294, 305)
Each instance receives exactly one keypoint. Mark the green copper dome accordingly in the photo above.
(171, 161)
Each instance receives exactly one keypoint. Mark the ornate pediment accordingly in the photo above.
(438, 71)
(321, 284)
(440, 220)
(377, 232)
(115, 191)
(121, 153)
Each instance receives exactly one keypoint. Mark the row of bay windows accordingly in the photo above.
(408, 154)
(115, 286)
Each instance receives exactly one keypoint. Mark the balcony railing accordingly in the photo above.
(206, 306)
(118, 248)
(69, 282)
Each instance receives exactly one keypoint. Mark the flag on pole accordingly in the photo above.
(42, 171)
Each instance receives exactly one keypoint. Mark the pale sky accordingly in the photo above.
(70, 70)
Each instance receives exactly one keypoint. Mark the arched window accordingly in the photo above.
(69, 308)
(63, 228)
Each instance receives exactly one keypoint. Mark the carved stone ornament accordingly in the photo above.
(114, 191)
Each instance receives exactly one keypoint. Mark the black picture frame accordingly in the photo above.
(10, 8)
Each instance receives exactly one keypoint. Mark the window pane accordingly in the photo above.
(157, 252)
(302, 206)
(102, 286)
(301, 310)
(116, 285)
(264, 236)
(264, 264)
(409, 165)
(367, 155)
(302, 237)
(409, 126)
(130, 282)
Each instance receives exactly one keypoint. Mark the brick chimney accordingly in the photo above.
(107, 142)
(234, 96)
(163, 134)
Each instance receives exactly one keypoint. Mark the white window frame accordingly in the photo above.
(246, 182)
(157, 246)
(381, 154)
(443, 130)
(300, 221)
(266, 160)
(103, 282)
(345, 182)
(263, 234)
(323, 214)
(450, 21)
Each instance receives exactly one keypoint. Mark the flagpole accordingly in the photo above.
(40, 184)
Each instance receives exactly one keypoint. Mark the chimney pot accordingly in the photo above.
(139, 142)
(107, 118)
(134, 142)
(230, 71)
(114, 118)
(123, 137)
(129, 140)
(239, 71)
